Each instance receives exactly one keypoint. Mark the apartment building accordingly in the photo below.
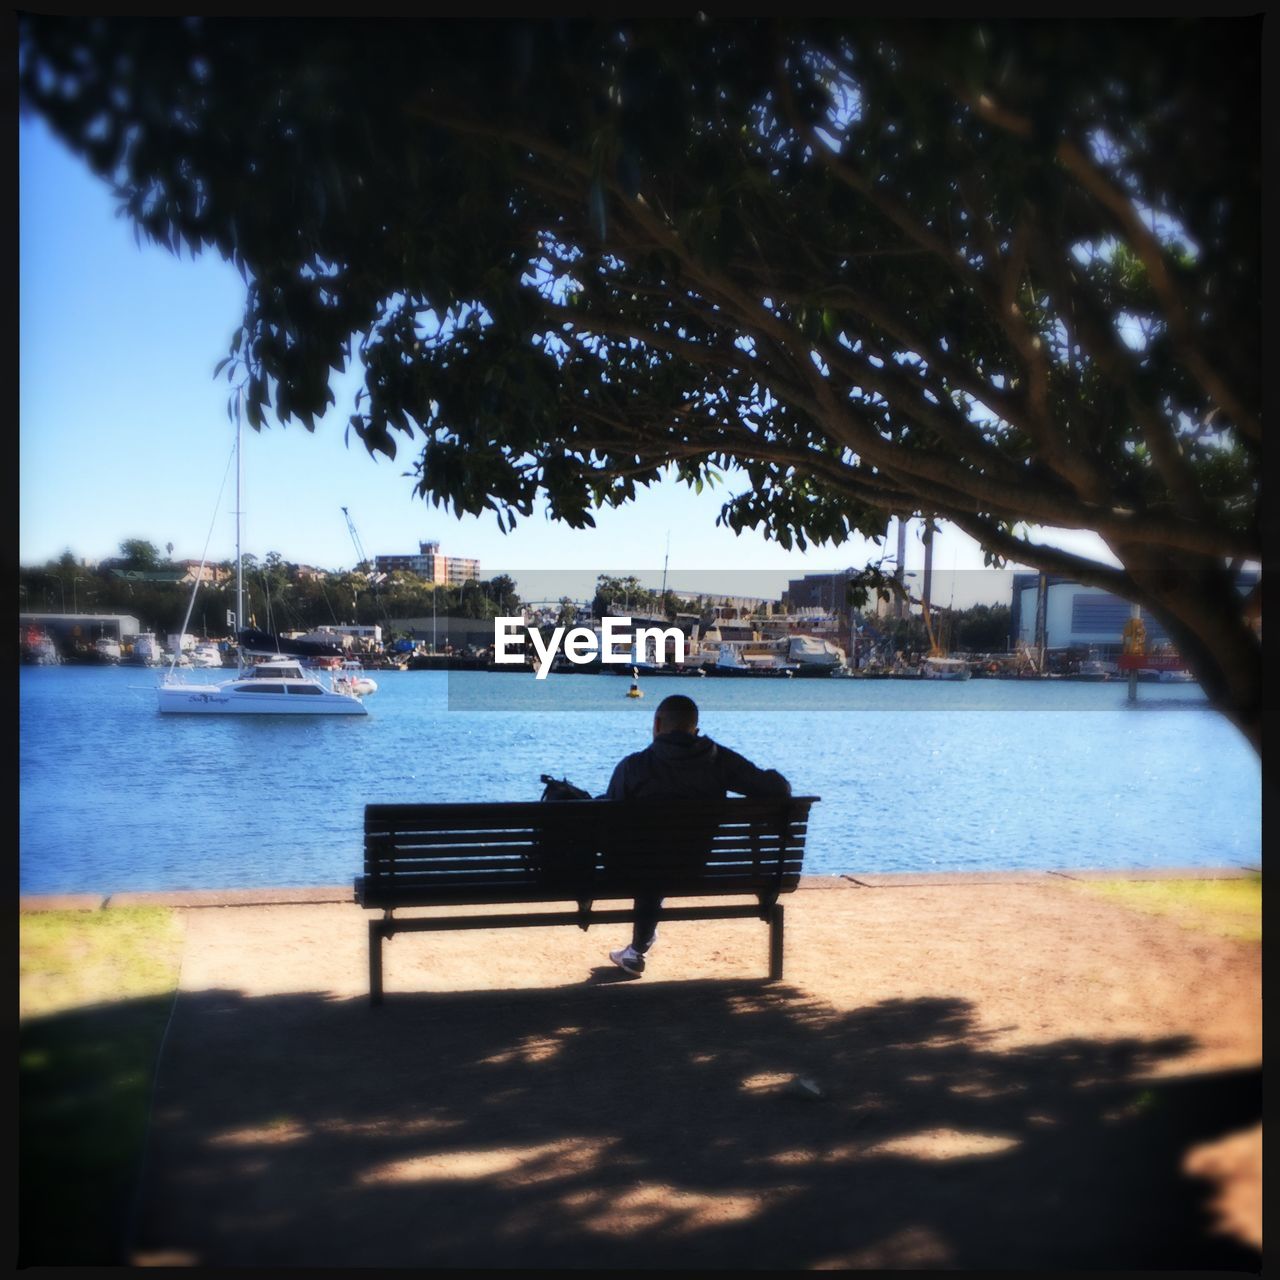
(449, 571)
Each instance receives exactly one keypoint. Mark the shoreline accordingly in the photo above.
(339, 894)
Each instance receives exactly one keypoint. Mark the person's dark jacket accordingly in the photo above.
(679, 766)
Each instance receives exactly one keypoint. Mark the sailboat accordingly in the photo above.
(277, 686)
(939, 665)
(267, 644)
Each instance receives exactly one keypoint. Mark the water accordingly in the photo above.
(914, 776)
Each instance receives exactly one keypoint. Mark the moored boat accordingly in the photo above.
(40, 650)
(815, 656)
(206, 654)
(107, 650)
(938, 668)
(278, 686)
(146, 651)
(1093, 669)
(752, 659)
(350, 677)
(268, 644)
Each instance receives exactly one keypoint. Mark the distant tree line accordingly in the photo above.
(279, 595)
(626, 595)
(982, 628)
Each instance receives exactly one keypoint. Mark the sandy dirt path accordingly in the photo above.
(996, 1072)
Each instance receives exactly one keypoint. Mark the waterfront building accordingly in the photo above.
(826, 591)
(70, 630)
(457, 633)
(1077, 616)
(819, 596)
(729, 606)
(430, 564)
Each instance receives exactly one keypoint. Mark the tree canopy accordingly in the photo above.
(138, 553)
(1002, 274)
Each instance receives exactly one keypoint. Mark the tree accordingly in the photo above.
(1000, 274)
(983, 628)
(621, 595)
(472, 602)
(137, 553)
(891, 636)
(502, 591)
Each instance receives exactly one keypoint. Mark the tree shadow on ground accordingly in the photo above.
(84, 1081)
(685, 1124)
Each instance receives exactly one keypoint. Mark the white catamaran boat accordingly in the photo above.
(276, 686)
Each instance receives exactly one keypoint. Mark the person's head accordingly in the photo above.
(676, 714)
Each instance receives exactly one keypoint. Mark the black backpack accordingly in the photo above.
(563, 857)
(562, 789)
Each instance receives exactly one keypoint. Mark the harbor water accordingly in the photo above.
(913, 775)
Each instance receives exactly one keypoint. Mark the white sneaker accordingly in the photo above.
(628, 958)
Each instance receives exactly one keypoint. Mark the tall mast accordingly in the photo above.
(899, 572)
(928, 563)
(239, 486)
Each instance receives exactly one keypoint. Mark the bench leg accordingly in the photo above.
(375, 961)
(775, 941)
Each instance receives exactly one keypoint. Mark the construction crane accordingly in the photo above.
(355, 538)
(370, 576)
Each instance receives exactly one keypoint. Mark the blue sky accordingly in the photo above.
(124, 432)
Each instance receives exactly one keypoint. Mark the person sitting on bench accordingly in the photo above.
(680, 764)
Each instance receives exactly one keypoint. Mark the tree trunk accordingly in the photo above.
(1198, 603)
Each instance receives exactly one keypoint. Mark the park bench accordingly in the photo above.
(579, 852)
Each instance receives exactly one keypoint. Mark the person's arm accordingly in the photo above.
(617, 788)
(747, 779)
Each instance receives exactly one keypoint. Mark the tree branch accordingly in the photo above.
(1148, 248)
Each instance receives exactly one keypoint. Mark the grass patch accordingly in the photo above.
(95, 991)
(1227, 908)
(69, 959)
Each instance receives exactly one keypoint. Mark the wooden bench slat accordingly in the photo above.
(474, 894)
(506, 814)
(764, 851)
(447, 866)
(598, 884)
(739, 834)
(642, 882)
(647, 871)
(430, 839)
